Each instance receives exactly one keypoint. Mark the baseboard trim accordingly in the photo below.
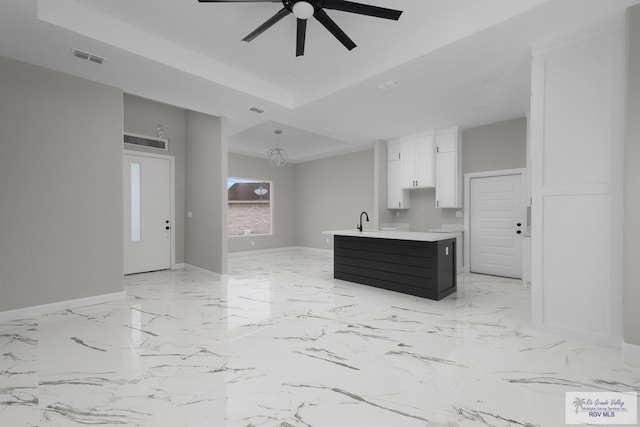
(315, 250)
(241, 254)
(580, 335)
(178, 266)
(630, 353)
(38, 310)
(218, 276)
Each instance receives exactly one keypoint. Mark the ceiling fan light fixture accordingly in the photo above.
(303, 10)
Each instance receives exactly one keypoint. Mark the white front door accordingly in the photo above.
(147, 214)
(496, 225)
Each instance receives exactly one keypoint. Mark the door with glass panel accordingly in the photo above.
(147, 214)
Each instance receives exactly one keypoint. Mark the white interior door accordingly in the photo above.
(147, 214)
(496, 224)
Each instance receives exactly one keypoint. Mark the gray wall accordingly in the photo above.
(330, 194)
(631, 182)
(206, 195)
(283, 201)
(142, 116)
(495, 146)
(60, 187)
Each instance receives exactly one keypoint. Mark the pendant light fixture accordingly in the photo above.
(277, 156)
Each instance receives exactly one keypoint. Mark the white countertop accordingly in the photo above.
(398, 235)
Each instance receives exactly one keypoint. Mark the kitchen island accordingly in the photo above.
(414, 263)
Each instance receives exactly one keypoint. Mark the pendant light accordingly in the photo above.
(277, 156)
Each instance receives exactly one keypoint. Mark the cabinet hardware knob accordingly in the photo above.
(519, 232)
(519, 224)
(167, 227)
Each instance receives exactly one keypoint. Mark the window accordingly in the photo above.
(135, 202)
(249, 207)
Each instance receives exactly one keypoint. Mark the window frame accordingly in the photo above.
(271, 204)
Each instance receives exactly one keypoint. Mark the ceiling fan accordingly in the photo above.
(305, 9)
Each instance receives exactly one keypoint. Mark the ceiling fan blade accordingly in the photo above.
(268, 24)
(301, 37)
(240, 1)
(333, 28)
(362, 9)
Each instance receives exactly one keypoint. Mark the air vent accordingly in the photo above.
(146, 141)
(87, 56)
(257, 110)
(391, 84)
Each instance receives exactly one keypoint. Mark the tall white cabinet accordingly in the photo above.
(448, 163)
(397, 197)
(577, 131)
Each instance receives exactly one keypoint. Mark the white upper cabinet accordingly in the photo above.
(448, 168)
(417, 155)
(397, 198)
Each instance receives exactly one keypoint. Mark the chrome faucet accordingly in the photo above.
(360, 226)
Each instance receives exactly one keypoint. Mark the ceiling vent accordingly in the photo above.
(257, 110)
(87, 56)
(391, 84)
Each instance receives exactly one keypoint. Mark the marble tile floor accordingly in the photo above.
(280, 343)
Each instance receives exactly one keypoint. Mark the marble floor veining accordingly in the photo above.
(280, 343)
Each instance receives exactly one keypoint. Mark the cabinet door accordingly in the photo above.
(425, 175)
(395, 199)
(448, 168)
(446, 179)
(409, 153)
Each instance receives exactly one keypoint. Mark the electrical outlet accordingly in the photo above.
(253, 243)
(189, 214)
(327, 240)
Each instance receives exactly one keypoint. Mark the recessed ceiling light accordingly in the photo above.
(391, 84)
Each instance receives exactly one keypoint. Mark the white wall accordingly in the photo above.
(631, 181)
(60, 187)
(283, 201)
(577, 137)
